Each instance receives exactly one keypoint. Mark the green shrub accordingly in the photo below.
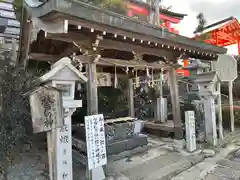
(15, 116)
(117, 6)
(226, 116)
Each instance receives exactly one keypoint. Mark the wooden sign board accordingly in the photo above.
(46, 109)
(104, 79)
(96, 142)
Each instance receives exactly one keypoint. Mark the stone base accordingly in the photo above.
(126, 145)
(115, 147)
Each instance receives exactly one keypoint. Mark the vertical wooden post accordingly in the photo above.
(92, 96)
(131, 112)
(219, 103)
(92, 109)
(230, 88)
(173, 83)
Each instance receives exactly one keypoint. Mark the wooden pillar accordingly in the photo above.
(173, 83)
(230, 86)
(92, 96)
(92, 109)
(131, 111)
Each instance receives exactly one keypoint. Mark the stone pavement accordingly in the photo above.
(227, 168)
(164, 160)
(224, 166)
(161, 162)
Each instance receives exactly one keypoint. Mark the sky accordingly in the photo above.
(214, 10)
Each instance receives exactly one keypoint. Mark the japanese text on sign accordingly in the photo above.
(64, 151)
(96, 143)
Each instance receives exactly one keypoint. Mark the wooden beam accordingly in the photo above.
(42, 57)
(124, 63)
(85, 41)
(175, 103)
(68, 51)
(68, 37)
(102, 61)
(71, 37)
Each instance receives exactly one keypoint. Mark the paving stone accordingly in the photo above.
(230, 164)
(225, 172)
(145, 169)
(169, 171)
(209, 152)
(213, 177)
(127, 163)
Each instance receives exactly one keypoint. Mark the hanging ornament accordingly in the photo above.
(80, 66)
(127, 70)
(152, 79)
(148, 77)
(115, 77)
(137, 80)
(79, 87)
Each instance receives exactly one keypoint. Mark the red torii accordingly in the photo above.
(222, 33)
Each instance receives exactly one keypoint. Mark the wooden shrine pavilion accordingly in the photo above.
(222, 33)
(111, 42)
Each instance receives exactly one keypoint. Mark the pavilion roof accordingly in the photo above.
(222, 33)
(80, 11)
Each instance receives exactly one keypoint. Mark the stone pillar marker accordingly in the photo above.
(63, 76)
(190, 131)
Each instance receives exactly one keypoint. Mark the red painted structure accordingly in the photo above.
(167, 17)
(222, 33)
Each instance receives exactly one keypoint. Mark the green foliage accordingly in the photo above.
(117, 6)
(201, 22)
(15, 117)
(226, 116)
(17, 6)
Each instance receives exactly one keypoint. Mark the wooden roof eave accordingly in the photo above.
(94, 17)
